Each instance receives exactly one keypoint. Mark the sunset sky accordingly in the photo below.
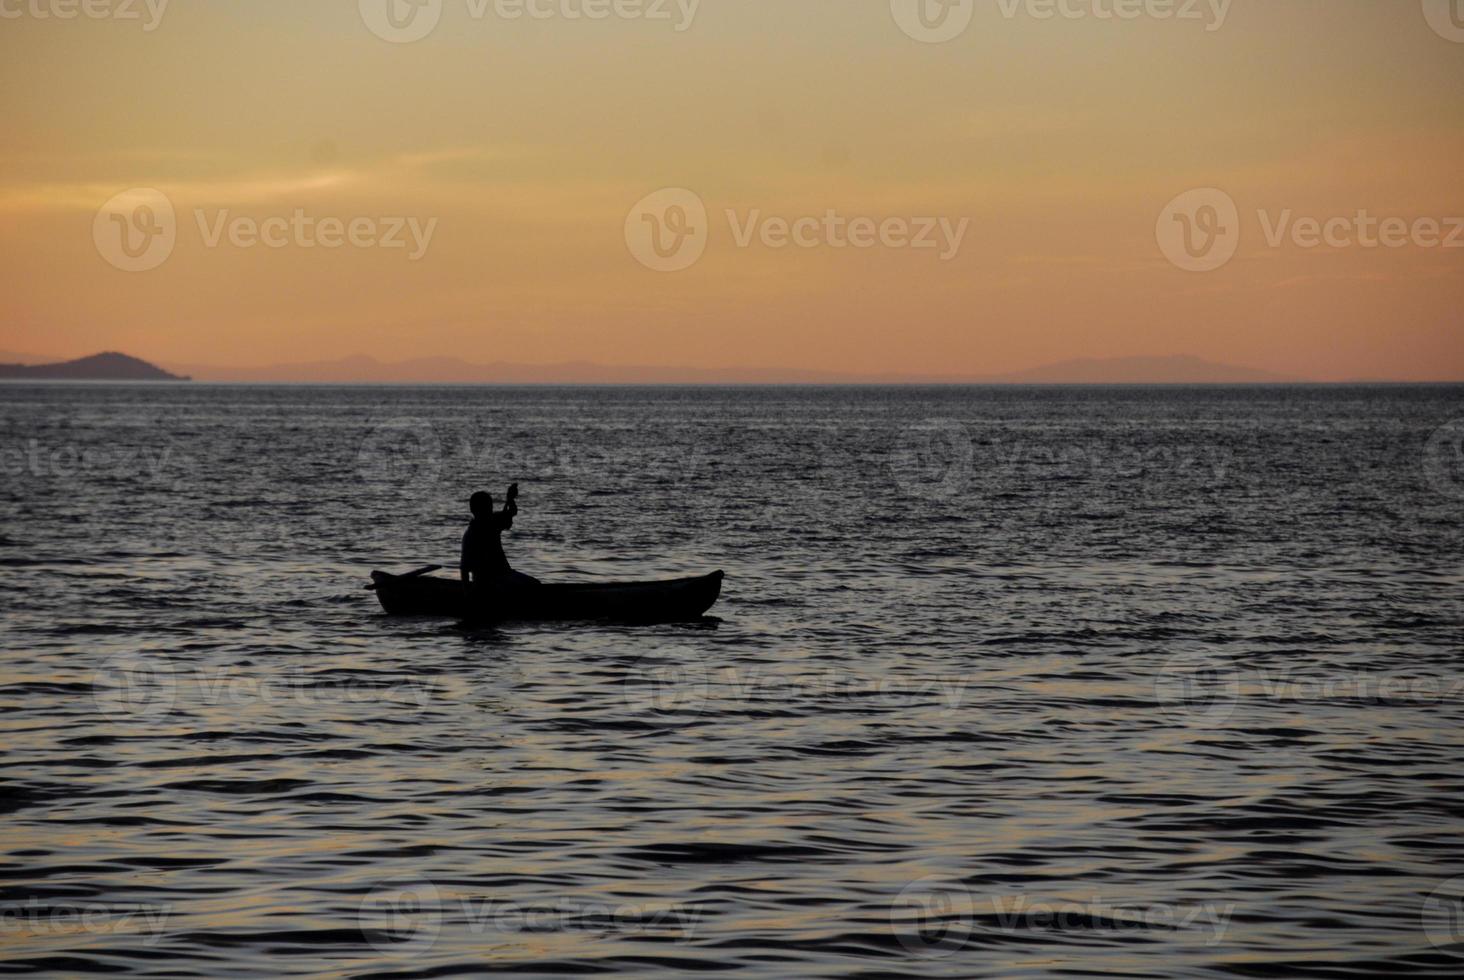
(525, 144)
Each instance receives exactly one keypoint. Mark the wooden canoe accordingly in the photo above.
(672, 601)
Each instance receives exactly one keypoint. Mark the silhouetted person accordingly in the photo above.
(484, 566)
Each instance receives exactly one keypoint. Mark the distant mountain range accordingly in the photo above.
(1142, 370)
(112, 366)
(109, 366)
(449, 370)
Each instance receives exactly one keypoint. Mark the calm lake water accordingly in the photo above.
(1004, 682)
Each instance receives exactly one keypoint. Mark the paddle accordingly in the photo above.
(424, 570)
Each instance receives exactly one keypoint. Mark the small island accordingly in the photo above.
(109, 366)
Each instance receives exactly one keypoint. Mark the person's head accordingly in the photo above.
(481, 504)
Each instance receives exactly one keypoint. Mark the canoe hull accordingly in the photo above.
(673, 601)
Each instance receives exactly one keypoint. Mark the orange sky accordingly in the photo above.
(525, 143)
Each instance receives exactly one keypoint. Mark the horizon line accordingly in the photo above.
(185, 382)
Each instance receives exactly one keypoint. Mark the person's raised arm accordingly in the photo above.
(510, 509)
